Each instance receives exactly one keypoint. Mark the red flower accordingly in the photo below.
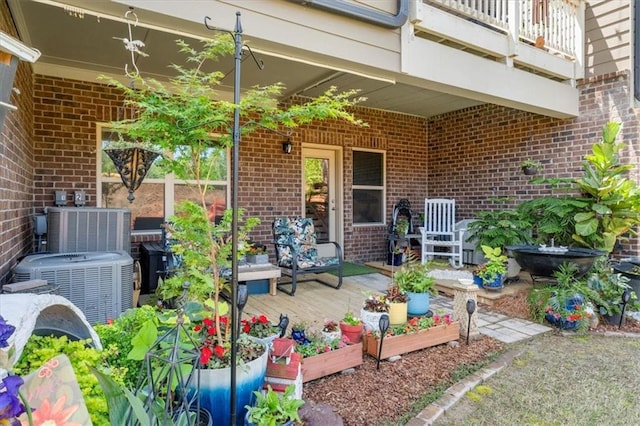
(219, 351)
(254, 319)
(246, 328)
(208, 322)
(263, 319)
(197, 328)
(224, 320)
(211, 331)
(205, 355)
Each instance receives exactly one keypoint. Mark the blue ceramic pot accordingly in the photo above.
(215, 385)
(418, 304)
(496, 284)
(477, 281)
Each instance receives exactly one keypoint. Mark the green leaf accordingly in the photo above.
(143, 340)
(587, 227)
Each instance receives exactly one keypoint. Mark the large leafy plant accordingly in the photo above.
(500, 228)
(613, 199)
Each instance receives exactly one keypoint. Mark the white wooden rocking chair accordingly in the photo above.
(440, 231)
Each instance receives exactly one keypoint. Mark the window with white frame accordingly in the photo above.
(159, 193)
(368, 187)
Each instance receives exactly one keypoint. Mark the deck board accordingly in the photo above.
(312, 303)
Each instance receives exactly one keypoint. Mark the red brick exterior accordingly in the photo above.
(475, 154)
(16, 164)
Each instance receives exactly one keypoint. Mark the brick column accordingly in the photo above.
(462, 293)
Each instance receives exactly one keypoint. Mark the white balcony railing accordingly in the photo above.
(554, 23)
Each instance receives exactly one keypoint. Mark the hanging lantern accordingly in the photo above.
(133, 164)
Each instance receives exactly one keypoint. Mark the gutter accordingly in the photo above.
(361, 13)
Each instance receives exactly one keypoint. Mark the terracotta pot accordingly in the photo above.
(352, 332)
(397, 313)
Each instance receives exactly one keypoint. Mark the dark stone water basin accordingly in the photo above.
(544, 264)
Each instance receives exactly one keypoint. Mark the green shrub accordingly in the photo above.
(116, 342)
(40, 349)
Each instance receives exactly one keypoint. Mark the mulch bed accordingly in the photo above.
(370, 397)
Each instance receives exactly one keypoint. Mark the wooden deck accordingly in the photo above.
(315, 302)
(312, 303)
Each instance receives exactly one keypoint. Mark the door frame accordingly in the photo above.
(338, 186)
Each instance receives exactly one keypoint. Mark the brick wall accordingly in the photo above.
(269, 181)
(16, 164)
(474, 154)
(65, 116)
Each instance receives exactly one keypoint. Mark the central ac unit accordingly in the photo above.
(99, 283)
(80, 229)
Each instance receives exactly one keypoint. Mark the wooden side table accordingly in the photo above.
(252, 272)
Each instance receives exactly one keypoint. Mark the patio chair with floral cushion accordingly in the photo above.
(297, 254)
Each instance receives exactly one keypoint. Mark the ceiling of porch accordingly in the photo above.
(83, 43)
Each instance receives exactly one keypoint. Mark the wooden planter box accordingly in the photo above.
(331, 362)
(405, 343)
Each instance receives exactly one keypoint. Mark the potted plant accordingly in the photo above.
(567, 305)
(530, 167)
(299, 332)
(398, 300)
(274, 408)
(402, 227)
(611, 287)
(260, 328)
(492, 272)
(414, 279)
(257, 253)
(372, 309)
(321, 357)
(351, 328)
(501, 228)
(330, 331)
(417, 333)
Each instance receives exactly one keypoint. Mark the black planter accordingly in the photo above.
(625, 269)
(530, 171)
(613, 319)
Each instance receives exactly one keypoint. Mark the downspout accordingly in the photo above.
(361, 13)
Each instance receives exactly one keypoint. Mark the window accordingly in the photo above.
(368, 187)
(158, 194)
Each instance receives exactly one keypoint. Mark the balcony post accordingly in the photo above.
(513, 14)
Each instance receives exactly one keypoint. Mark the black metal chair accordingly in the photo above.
(297, 254)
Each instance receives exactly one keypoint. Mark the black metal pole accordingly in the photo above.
(237, 36)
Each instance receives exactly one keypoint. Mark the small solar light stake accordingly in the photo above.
(626, 296)
(243, 297)
(471, 308)
(384, 327)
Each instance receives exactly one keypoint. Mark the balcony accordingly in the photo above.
(539, 36)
